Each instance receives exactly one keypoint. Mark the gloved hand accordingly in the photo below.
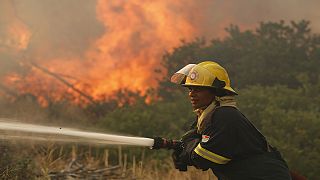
(178, 164)
(182, 157)
(160, 143)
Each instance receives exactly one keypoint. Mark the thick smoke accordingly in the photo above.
(59, 28)
(54, 29)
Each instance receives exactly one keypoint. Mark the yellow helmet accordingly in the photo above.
(207, 74)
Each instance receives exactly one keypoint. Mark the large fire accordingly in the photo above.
(134, 37)
(137, 33)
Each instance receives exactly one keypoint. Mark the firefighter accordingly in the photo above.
(222, 138)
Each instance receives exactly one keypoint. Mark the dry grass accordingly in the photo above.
(52, 159)
(173, 174)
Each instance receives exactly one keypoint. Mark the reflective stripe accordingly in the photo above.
(210, 155)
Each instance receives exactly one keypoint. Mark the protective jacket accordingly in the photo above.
(229, 144)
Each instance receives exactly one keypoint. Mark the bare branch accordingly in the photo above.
(58, 77)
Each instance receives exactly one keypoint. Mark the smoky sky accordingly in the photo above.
(249, 13)
(62, 28)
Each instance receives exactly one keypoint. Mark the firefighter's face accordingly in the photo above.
(200, 97)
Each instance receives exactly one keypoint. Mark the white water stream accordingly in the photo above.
(9, 129)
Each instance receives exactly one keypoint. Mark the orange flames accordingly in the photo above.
(137, 33)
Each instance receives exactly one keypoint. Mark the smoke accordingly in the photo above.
(13, 37)
(102, 46)
(249, 13)
(59, 28)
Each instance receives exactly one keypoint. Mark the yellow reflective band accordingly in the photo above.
(210, 155)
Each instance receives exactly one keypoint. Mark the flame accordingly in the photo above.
(137, 33)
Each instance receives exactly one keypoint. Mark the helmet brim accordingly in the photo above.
(229, 89)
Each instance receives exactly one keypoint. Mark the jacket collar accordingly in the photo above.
(218, 102)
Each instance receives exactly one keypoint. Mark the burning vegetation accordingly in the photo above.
(125, 55)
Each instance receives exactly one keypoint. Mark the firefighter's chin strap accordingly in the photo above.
(218, 102)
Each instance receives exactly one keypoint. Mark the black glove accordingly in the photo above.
(189, 142)
(182, 156)
(178, 164)
(160, 143)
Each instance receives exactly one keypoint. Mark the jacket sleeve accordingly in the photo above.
(217, 143)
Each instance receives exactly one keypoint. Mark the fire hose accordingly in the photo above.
(18, 130)
(9, 129)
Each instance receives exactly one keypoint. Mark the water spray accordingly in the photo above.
(17, 130)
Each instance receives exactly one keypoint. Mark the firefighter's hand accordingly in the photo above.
(158, 143)
(178, 164)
